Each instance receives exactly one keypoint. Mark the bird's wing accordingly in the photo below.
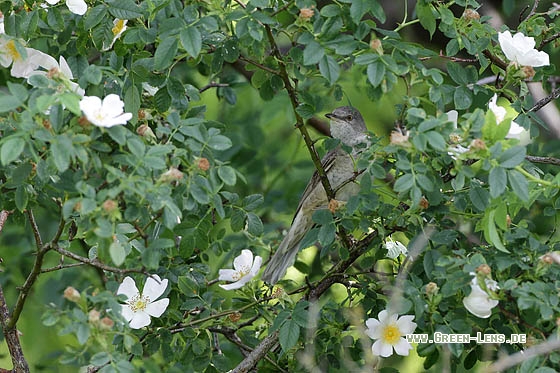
(327, 162)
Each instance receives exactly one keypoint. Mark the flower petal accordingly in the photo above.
(244, 261)
(154, 287)
(128, 288)
(405, 324)
(127, 312)
(78, 7)
(112, 105)
(156, 309)
(227, 275)
(402, 347)
(256, 266)
(382, 349)
(232, 286)
(140, 320)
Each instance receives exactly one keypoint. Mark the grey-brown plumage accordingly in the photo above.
(348, 126)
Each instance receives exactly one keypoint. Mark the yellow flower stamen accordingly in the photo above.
(118, 27)
(138, 303)
(12, 51)
(391, 334)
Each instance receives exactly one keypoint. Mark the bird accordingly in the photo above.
(348, 126)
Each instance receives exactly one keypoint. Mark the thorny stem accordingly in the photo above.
(542, 103)
(96, 263)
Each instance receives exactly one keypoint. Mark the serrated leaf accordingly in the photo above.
(9, 103)
(327, 234)
(404, 183)
(21, 198)
(289, 335)
(191, 39)
(497, 180)
(252, 201)
(11, 149)
(329, 69)
(165, 52)
(462, 98)
(426, 17)
(519, 184)
(237, 221)
(116, 250)
(376, 73)
(479, 197)
(61, 150)
(219, 142)
(254, 224)
(227, 174)
(124, 9)
(512, 157)
(491, 233)
(313, 53)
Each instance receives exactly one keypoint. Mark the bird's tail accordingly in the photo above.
(286, 254)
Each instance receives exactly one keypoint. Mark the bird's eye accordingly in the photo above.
(349, 118)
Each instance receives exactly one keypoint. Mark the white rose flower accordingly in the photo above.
(23, 64)
(515, 130)
(479, 302)
(395, 248)
(521, 50)
(140, 307)
(389, 332)
(245, 268)
(78, 7)
(64, 69)
(106, 113)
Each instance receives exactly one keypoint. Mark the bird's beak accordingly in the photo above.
(329, 115)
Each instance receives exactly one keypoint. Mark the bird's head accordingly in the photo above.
(347, 125)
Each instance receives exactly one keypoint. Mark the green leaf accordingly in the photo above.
(219, 142)
(132, 102)
(252, 201)
(462, 98)
(21, 198)
(238, 220)
(313, 53)
(94, 16)
(512, 157)
(457, 73)
(329, 69)
(227, 174)
(124, 9)
(491, 233)
(165, 52)
(404, 183)
(61, 150)
(519, 184)
(498, 181)
(116, 250)
(11, 149)
(254, 224)
(289, 335)
(358, 9)
(436, 140)
(8, 103)
(300, 314)
(376, 73)
(71, 101)
(426, 16)
(424, 182)
(327, 234)
(191, 40)
(479, 197)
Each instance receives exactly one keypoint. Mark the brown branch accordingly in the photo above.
(61, 266)
(495, 59)
(212, 85)
(542, 103)
(36, 270)
(10, 333)
(96, 263)
(259, 65)
(546, 160)
(531, 13)
(12, 338)
(257, 354)
(35, 229)
(549, 39)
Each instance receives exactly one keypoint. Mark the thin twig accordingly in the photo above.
(212, 85)
(35, 229)
(62, 266)
(259, 65)
(549, 39)
(546, 160)
(96, 263)
(542, 103)
(531, 13)
(495, 59)
(521, 356)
